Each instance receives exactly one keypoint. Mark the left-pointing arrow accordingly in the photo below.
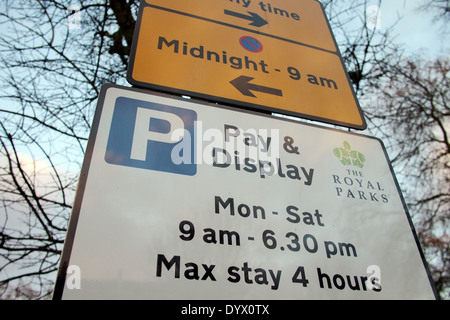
(242, 83)
(257, 20)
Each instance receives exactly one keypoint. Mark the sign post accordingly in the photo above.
(278, 56)
(183, 199)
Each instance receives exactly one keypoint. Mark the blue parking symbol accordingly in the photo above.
(152, 136)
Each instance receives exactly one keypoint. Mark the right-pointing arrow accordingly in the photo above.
(256, 19)
(242, 83)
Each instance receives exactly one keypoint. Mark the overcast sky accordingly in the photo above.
(419, 29)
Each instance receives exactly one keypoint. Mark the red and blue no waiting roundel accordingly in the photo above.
(251, 44)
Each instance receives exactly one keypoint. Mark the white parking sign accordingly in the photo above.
(181, 199)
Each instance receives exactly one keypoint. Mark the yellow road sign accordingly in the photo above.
(294, 20)
(264, 66)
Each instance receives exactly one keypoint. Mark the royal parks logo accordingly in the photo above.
(354, 183)
(349, 157)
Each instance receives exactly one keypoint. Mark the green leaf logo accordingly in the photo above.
(349, 157)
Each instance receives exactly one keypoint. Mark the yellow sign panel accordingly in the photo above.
(177, 51)
(299, 21)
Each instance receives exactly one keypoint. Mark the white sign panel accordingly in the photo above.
(187, 200)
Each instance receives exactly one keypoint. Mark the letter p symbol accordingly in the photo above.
(146, 130)
(143, 135)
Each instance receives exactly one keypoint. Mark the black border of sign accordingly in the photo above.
(237, 103)
(73, 221)
(70, 236)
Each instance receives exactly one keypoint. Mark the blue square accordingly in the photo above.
(152, 136)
